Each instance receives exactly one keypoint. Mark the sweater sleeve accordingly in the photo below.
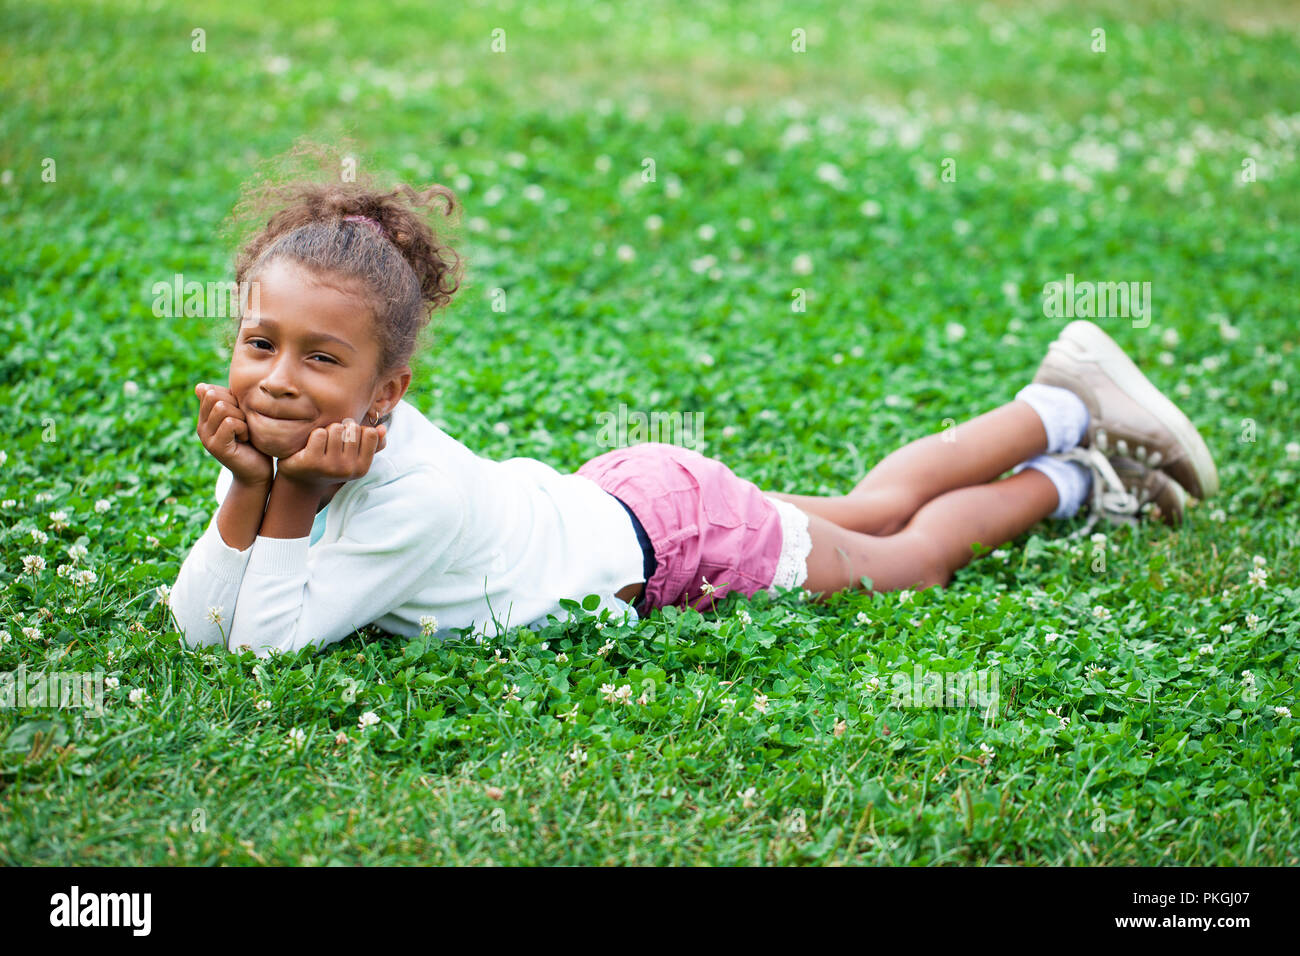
(395, 536)
(202, 600)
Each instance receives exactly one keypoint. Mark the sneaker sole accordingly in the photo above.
(1087, 342)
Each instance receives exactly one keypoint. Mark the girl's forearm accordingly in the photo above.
(241, 513)
(290, 508)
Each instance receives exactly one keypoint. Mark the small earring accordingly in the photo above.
(369, 416)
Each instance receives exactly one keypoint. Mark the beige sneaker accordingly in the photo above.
(1124, 491)
(1129, 417)
(1158, 495)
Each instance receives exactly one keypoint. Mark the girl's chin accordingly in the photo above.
(276, 446)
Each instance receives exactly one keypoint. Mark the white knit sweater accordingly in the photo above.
(432, 529)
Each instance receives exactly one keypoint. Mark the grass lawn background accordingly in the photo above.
(819, 171)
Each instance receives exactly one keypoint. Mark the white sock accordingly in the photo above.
(1065, 417)
(1072, 480)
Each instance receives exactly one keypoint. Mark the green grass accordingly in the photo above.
(1167, 757)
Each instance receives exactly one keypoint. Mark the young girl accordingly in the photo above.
(341, 505)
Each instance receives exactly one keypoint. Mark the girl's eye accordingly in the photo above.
(256, 342)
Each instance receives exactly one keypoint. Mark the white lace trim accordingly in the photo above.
(796, 545)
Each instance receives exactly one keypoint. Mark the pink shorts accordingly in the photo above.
(704, 521)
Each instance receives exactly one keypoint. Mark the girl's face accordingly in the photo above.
(305, 357)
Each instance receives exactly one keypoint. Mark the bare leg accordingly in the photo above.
(973, 453)
(935, 543)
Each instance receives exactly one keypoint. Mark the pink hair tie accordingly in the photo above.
(368, 222)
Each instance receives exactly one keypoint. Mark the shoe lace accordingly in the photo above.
(1111, 499)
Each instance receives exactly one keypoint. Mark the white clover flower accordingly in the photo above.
(86, 576)
(873, 682)
(862, 618)
(1258, 576)
(164, 593)
(706, 232)
(1293, 451)
(870, 208)
(830, 174)
(578, 755)
(954, 331)
(1098, 538)
(802, 265)
(40, 537)
(111, 683)
(340, 739)
(428, 624)
(138, 694)
(77, 551)
(1101, 613)
(1226, 628)
(745, 618)
(1248, 678)
(33, 563)
(1258, 561)
(4, 457)
(1205, 649)
(1094, 670)
(296, 737)
(760, 703)
(988, 751)
(8, 503)
(5, 638)
(1252, 620)
(745, 224)
(904, 596)
(1218, 514)
(263, 704)
(603, 163)
(151, 541)
(63, 570)
(654, 223)
(1051, 638)
(561, 658)
(32, 633)
(703, 264)
(747, 797)
(501, 428)
(625, 253)
(1282, 711)
(368, 719)
(102, 505)
(58, 520)
(533, 192)
(605, 648)
(43, 496)
(512, 693)
(214, 614)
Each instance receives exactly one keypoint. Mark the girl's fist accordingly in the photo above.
(335, 454)
(223, 429)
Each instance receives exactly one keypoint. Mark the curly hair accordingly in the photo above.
(402, 274)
